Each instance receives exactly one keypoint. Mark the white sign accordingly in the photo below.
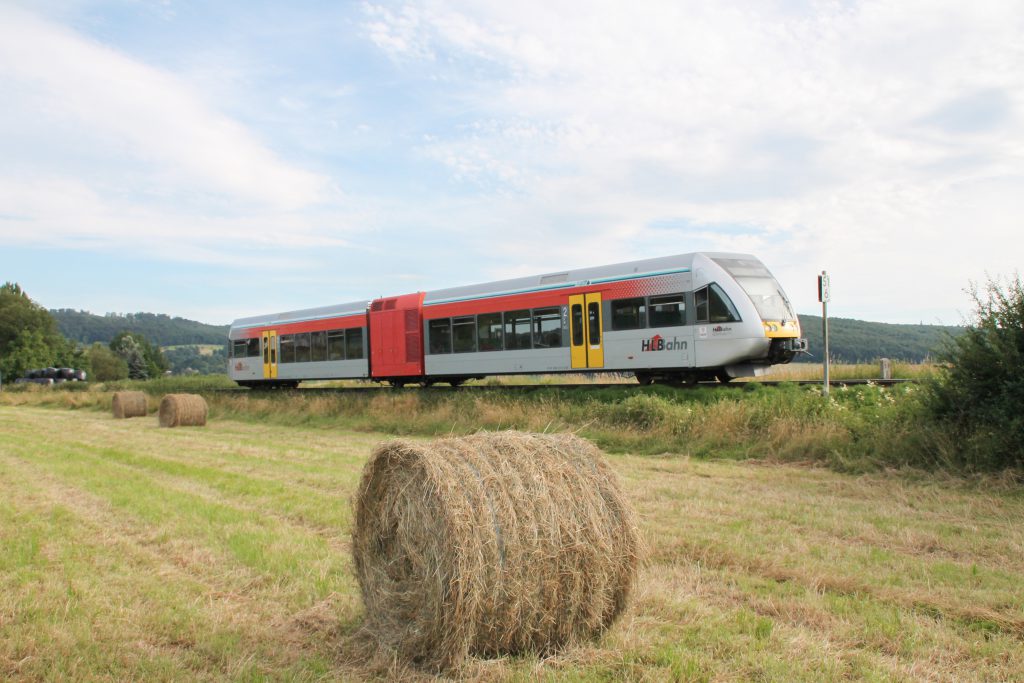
(823, 288)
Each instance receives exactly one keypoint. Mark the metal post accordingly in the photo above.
(824, 335)
(823, 297)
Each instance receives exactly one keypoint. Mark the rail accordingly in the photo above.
(525, 388)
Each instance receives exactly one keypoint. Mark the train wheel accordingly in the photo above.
(684, 379)
(427, 383)
(644, 378)
(397, 383)
(723, 376)
(456, 381)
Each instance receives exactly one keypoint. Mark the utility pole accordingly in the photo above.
(823, 297)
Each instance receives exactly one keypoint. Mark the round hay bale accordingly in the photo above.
(491, 544)
(129, 404)
(183, 410)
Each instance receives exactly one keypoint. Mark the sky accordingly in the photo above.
(215, 160)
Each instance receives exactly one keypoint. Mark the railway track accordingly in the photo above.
(527, 388)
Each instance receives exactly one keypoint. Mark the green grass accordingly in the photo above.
(859, 428)
(129, 552)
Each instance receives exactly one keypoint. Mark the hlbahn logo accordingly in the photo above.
(659, 343)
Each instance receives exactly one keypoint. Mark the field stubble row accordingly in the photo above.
(222, 553)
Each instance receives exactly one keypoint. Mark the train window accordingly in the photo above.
(336, 345)
(547, 328)
(517, 330)
(464, 334)
(301, 347)
(287, 344)
(318, 346)
(440, 335)
(720, 307)
(577, 324)
(629, 314)
(239, 349)
(667, 311)
(354, 343)
(700, 302)
(253, 348)
(594, 320)
(488, 332)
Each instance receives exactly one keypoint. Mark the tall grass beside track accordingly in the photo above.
(855, 429)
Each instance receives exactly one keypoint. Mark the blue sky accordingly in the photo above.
(219, 160)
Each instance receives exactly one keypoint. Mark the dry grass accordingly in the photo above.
(133, 553)
(491, 544)
(840, 371)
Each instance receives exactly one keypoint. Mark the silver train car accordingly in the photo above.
(675, 319)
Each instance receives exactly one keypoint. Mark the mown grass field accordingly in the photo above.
(128, 552)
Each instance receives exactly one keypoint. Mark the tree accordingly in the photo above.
(982, 389)
(144, 359)
(28, 335)
(28, 351)
(104, 364)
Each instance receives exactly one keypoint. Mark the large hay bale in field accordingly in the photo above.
(183, 410)
(491, 544)
(129, 404)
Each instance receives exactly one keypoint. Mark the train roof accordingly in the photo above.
(333, 311)
(556, 280)
(581, 276)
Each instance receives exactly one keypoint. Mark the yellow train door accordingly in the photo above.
(586, 338)
(270, 354)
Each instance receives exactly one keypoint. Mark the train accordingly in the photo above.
(676, 320)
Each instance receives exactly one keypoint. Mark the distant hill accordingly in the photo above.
(160, 329)
(850, 341)
(856, 341)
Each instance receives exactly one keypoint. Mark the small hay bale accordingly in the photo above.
(491, 544)
(129, 404)
(183, 410)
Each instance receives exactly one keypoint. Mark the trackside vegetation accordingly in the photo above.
(980, 392)
(858, 428)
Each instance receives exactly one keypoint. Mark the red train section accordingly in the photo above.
(396, 338)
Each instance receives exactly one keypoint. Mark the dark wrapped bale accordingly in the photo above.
(129, 404)
(491, 544)
(183, 410)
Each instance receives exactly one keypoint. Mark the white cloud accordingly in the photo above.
(101, 148)
(882, 140)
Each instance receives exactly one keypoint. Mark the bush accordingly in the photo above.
(981, 391)
(105, 365)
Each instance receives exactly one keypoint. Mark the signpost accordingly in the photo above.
(823, 297)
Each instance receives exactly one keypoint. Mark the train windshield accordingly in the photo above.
(762, 288)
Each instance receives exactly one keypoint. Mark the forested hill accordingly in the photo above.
(850, 341)
(160, 329)
(853, 341)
